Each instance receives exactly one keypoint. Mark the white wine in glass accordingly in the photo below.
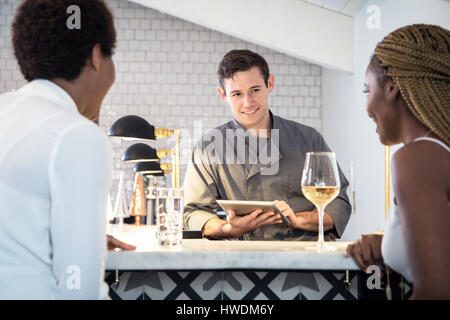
(320, 185)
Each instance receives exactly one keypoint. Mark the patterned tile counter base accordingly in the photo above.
(245, 285)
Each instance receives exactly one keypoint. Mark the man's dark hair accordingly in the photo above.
(44, 46)
(241, 60)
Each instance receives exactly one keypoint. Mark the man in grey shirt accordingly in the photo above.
(257, 156)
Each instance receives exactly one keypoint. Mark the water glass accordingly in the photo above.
(169, 217)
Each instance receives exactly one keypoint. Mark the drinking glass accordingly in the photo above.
(169, 217)
(320, 185)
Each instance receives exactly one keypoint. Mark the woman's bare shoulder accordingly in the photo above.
(422, 158)
(421, 168)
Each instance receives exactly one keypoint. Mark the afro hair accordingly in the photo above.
(46, 48)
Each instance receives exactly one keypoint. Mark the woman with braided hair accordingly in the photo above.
(408, 97)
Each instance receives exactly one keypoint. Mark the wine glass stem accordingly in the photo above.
(321, 239)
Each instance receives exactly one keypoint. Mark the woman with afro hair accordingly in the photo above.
(55, 162)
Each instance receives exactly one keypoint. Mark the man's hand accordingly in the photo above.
(296, 222)
(237, 226)
(366, 251)
(306, 220)
(114, 243)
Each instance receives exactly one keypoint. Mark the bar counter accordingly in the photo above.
(206, 254)
(223, 269)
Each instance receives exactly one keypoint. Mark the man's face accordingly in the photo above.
(247, 93)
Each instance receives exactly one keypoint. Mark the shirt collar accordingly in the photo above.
(275, 122)
(275, 147)
(51, 91)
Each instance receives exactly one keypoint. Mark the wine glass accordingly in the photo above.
(320, 185)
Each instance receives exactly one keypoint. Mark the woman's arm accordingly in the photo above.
(421, 178)
(80, 174)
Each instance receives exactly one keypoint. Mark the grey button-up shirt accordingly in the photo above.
(220, 169)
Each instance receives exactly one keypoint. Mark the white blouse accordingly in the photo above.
(55, 174)
(393, 245)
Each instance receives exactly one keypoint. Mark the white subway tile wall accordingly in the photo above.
(166, 73)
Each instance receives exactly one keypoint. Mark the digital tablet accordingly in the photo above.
(242, 207)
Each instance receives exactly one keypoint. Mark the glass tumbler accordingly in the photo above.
(169, 216)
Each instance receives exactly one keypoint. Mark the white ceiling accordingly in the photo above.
(348, 7)
(295, 26)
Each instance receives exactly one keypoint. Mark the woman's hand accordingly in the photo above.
(114, 243)
(366, 251)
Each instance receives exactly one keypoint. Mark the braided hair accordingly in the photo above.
(417, 58)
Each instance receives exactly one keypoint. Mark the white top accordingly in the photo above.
(393, 245)
(55, 173)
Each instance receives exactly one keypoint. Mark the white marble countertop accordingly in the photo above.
(198, 254)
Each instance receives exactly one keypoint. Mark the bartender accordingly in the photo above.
(257, 156)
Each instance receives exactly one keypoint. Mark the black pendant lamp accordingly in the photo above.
(149, 168)
(140, 152)
(132, 127)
